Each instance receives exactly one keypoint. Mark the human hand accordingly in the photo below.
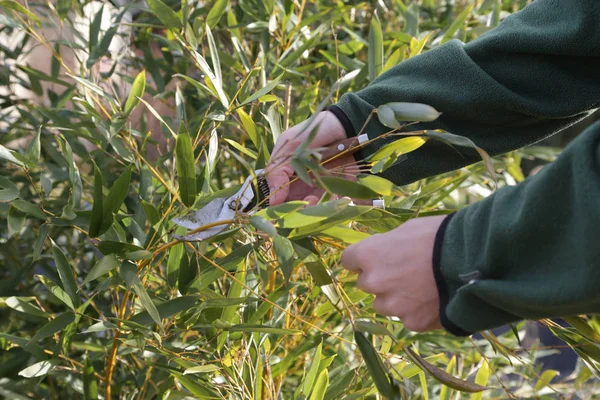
(279, 171)
(397, 267)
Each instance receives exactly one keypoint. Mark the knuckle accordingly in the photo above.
(414, 324)
(366, 283)
(383, 306)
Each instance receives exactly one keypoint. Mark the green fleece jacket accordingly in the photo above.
(529, 251)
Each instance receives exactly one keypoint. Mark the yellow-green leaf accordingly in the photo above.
(216, 12)
(344, 187)
(400, 146)
(545, 379)
(137, 91)
(375, 48)
(165, 14)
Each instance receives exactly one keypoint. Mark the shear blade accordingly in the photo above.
(204, 216)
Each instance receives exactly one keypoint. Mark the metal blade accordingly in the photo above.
(219, 209)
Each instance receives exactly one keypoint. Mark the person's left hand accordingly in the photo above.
(397, 268)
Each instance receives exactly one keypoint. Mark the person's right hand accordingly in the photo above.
(279, 172)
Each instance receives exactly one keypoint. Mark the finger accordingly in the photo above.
(312, 200)
(384, 306)
(278, 180)
(368, 282)
(351, 259)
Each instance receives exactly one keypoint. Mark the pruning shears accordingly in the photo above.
(254, 194)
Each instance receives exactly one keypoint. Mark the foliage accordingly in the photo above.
(99, 299)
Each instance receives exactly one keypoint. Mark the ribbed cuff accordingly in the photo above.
(343, 118)
(443, 292)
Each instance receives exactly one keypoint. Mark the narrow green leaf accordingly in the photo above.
(463, 141)
(285, 255)
(167, 309)
(229, 314)
(375, 48)
(39, 244)
(34, 149)
(214, 54)
(309, 380)
(445, 391)
(263, 329)
(249, 127)
(55, 325)
(379, 185)
(165, 14)
(32, 348)
(100, 327)
(174, 261)
(482, 377)
(320, 386)
(264, 90)
(151, 212)
(95, 29)
(374, 365)
(65, 272)
(107, 247)
(129, 274)
(157, 116)
(186, 172)
(97, 217)
(263, 225)
(23, 305)
(227, 302)
(102, 267)
(398, 147)
(8, 190)
(216, 12)
(202, 369)
(99, 50)
(90, 385)
(118, 192)
(545, 379)
(372, 327)
(28, 208)
(116, 196)
(56, 291)
(38, 369)
(13, 5)
(348, 188)
(457, 23)
(137, 91)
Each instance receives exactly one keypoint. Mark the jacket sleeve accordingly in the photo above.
(538, 72)
(528, 251)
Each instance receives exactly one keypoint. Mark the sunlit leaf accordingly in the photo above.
(137, 91)
(375, 48)
(166, 15)
(38, 369)
(217, 9)
(344, 187)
